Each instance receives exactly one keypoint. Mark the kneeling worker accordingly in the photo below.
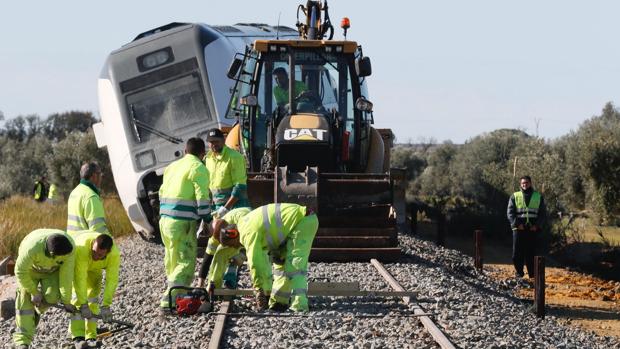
(45, 257)
(95, 252)
(285, 232)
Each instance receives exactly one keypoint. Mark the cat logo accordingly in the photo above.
(304, 134)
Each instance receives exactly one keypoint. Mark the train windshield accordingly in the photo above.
(162, 110)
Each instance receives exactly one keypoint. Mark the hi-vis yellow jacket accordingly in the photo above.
(265, 229)
(85, 265)
(184, 193)
(32, 259)
(85, 209)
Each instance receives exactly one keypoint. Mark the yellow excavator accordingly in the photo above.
(316, 146)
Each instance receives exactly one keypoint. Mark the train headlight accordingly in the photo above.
(363, 104)
(155, 59)
(145, 159)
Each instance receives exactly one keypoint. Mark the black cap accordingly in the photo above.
(214, 134)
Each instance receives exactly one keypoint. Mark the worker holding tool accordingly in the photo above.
(285, 233)
(94, 253)
(44, 272)
(85, 208)
(526, 214)
(228, 187)
(184, 199)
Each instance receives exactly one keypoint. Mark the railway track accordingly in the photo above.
(224, 315)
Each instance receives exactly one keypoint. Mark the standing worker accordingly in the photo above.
(228, 186)
(39, 192)
(85, 208)
(526, 214)
(94, 253)
(184, 199)
(53, 194)
(285, 233)
(44, 272)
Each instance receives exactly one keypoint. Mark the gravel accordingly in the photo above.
(471, 308)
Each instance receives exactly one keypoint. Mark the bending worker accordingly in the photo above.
(526, 214)
(94, 253)
(285, 233)
(44, 272)
(228, 186)
(184, 199)
(85, 208)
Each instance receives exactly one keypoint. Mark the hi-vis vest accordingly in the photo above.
(184, 194)
(530, 211)
(85, 211)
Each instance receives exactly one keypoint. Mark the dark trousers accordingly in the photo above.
(523, 251)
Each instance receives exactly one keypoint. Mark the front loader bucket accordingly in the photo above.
(355, 210)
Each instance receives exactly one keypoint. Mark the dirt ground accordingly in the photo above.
(577, 299)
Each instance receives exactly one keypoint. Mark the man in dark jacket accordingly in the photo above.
(526, 214)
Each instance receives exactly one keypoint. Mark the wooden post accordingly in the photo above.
(478, 250)
(539, 286)
(440, 228)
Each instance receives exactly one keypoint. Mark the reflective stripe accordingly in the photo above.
(93, 300)
(77, 317)
(77, 218)
(177, 213)
(204, 211)
(174, 283)
(22, 312)
(183, 202)
(279, 293)
(96, 221)
(296, 273)
(21, 330)
(203, 202)
(43, 270)
(101, 229)
(74, 228)
(273, 245)
(299, 291)
(278, 272)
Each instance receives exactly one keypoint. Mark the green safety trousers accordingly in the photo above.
(290, 280)
(26, 317)
(179, 237)
(79, 326)
(221, 260)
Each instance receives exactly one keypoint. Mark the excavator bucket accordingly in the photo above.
(356, 211)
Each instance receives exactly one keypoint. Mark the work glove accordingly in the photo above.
(106, 314)
(211, 291)
(69, 308)
(534, 228)
(262, 301)
(220, 212)
(85, 311)
(36, 299)
(520, 227)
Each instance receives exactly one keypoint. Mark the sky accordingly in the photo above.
(442, 70)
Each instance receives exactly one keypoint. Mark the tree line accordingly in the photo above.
(54, 147)
(471, 183)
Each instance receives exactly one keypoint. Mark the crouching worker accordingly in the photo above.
(95, 252)
(285, 233)
(214, 270)
(44, 272)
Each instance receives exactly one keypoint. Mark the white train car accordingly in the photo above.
(169, 84)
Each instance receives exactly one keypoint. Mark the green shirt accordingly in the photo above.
(281, 95)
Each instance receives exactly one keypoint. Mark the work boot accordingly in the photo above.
(79, 343)
(92, 343)
(23, 346)
(279, 307)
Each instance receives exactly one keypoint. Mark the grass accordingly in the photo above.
(20, 215)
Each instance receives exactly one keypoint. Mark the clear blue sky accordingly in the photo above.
(441, 69)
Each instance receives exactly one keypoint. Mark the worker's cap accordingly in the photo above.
(279, 70)
(214, 134)
(229, 233)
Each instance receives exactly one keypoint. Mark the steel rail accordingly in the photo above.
(220, 324)
(430, 326)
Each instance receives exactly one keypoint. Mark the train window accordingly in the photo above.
(167, 108)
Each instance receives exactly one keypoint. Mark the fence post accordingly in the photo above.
(539, 286)
(478, 260)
